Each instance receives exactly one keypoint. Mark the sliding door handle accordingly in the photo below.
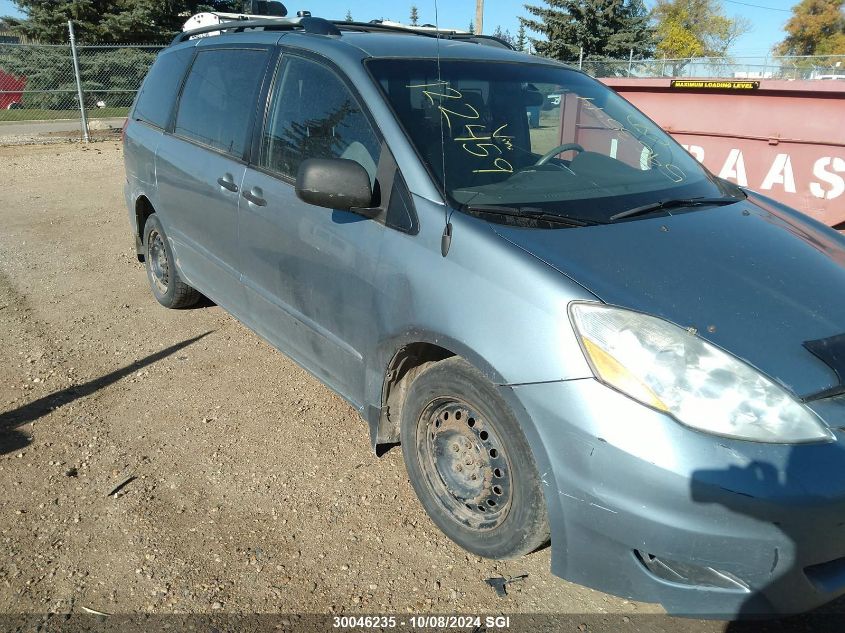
(228, 182)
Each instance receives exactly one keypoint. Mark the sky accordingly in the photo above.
(767, 16)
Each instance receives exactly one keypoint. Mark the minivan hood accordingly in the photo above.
(753, 278)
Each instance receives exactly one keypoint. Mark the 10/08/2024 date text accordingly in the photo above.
(421, 622)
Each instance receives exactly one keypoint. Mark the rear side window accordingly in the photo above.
(158, 94)
(218, 99)
(314, 115)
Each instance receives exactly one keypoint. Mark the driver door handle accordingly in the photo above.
(228, 182)
(255, 197)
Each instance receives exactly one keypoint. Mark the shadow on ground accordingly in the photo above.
(11, 439)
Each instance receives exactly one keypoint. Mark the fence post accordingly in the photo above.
(630, 61)
(581, 58)
(79, 92)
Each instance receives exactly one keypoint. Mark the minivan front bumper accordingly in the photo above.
(643, 507)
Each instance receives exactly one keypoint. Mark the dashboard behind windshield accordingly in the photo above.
(517, 134)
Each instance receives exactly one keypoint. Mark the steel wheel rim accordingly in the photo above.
(157, 257)
(465, 463)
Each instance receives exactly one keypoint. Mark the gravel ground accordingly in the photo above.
(253, 488)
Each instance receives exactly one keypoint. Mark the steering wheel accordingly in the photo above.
(558, 150)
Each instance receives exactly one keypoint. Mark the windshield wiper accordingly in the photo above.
(532, 213)
(676, 202)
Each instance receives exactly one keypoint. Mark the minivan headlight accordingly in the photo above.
(672, 370)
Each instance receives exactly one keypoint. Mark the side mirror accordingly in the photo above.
(334, 183)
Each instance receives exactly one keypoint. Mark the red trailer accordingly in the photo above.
(11, 90)
(785, 139)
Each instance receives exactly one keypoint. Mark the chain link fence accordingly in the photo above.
(38, 81)
(112, 75)
(817, 67)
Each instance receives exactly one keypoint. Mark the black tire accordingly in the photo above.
(470, 463)
(168, 288)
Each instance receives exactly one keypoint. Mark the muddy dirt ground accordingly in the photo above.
(253, 488)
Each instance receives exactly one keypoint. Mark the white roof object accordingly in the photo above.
(215, 17)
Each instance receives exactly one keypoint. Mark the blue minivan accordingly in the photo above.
(578, 335)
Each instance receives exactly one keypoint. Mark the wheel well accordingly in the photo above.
(143, 210)
(401, 371)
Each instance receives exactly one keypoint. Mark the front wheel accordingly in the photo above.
(470, 463)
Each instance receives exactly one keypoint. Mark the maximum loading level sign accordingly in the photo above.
(698, 84)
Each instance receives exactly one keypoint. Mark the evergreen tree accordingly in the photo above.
(606, 29)
(521, 39)
(471, 28)
(129, 21)
(50, 80)
(415, 15)
(315, 137)
(349, 16)
(504, 36)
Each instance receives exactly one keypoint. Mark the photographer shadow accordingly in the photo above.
(798, 498)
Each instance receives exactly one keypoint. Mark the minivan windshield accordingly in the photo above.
(538, 137)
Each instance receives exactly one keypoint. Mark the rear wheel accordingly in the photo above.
(470, 463)
(168, 288)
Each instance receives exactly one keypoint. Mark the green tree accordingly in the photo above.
(504, 36)
(108, 21)
(471, 28)
(521, 39)
(112, 75)
(695, 28)
(45, 68)
(606, 29)
(817, 27)
(415, 15)
(349, 16)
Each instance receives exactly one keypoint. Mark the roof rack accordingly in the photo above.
(426, 31)
(320, 26)
(317, 26)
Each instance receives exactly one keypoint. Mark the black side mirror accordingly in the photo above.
(334, 183)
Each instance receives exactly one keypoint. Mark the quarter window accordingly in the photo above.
(158, 94)
(314, 115)
(218, 100)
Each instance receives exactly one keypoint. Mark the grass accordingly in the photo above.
(51, 115)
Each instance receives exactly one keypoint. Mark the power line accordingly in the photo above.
(758, 6)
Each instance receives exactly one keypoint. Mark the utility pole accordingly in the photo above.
(479, 17)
